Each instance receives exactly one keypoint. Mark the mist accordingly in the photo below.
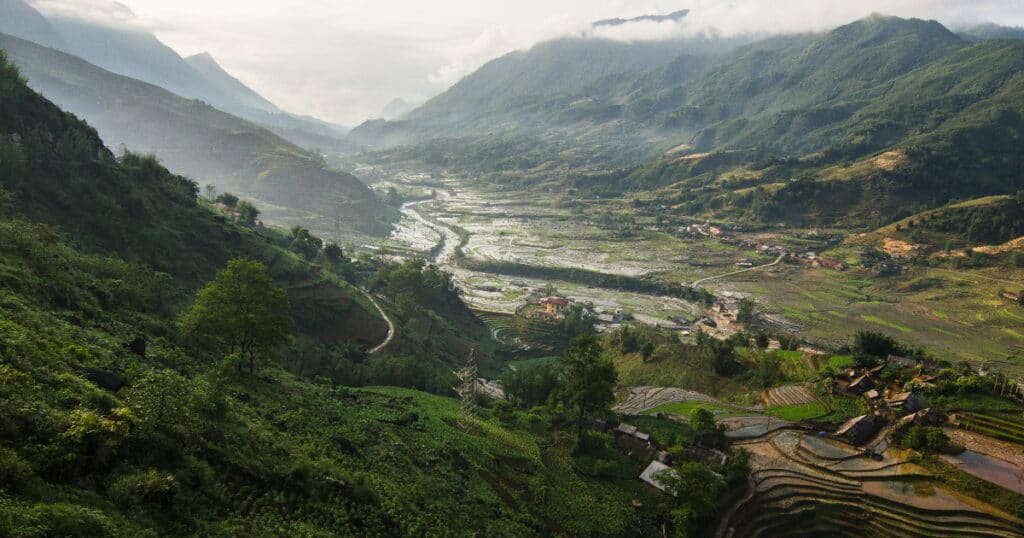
(343, 62)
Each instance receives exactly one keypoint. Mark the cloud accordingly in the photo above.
(344, 61)
(95, 11)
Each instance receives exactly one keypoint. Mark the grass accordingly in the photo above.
(686, 408)
(839, 362)
(884, 323)
(799, 412)
(962, 482)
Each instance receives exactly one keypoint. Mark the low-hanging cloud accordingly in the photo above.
(344, 61)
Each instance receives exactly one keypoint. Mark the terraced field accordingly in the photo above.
(787, 395)
(643, 399)
(808, 486)
(993, 426)
(525, 334)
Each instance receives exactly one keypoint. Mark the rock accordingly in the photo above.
(137, 346)
(107, 380)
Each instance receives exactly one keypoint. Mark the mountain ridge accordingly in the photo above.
(195, 139)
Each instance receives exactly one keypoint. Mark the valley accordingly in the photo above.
(704, 282)
(513, 242)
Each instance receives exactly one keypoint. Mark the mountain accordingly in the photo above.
(674, 16)
(121, 46)
(508, 92)
(135, 53)
(871, 121)
(19, 19)
(984, 32)
(229, 85)
(197, 140)
(396, 108)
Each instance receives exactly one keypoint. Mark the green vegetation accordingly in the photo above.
(240, 313)
(119, 421)
(798, 412)
(588, 379)
(198, 140)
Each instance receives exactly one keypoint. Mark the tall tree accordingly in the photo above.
(240, 311)
(588, 379)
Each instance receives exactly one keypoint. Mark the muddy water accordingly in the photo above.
(991, 469)
(447, 240)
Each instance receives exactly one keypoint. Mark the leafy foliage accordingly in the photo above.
(241, 311)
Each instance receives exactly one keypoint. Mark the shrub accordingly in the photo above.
(67, 520)
(15, 473)
(144, 487)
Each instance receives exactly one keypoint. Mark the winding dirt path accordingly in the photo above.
(777, 261)
(391, 326)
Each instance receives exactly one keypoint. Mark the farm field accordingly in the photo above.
(956, 315)
(827, 488)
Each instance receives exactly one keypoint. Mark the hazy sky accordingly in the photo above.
(343, 60)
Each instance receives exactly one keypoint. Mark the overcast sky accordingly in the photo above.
(343, 60)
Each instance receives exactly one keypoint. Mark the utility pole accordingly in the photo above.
(469, 388)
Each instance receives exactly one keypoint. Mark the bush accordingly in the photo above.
(15, 473)
(144, 487)
(67, 520)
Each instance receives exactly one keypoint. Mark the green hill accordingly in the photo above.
(195, 139)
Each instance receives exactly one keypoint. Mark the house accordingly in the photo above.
(924, 417)
(702, 453)
(871, 394)
(1010, 295)
(902, 362)
(907, 401)
(861, 384)
(633, 442)
(856, 430)
(649, 475)
(554, 305)
(679, 320)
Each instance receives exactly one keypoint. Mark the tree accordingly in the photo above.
(211, 192)
(746, 311)
(305, 243)
(241, 312)
(333, 253)
(646, 351)
(227, 199)
(247, 213)
(694, 487)
(588, 379)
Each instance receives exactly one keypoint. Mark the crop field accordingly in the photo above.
(956, 315)
(825, 488)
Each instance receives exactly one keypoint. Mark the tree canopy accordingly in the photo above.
(588, 378)
(241, 312)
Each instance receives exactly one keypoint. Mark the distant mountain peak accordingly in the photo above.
(674, 16)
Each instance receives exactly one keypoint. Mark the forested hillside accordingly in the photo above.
(198, 140)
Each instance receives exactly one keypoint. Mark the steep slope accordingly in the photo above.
(532, 91)
(19, 19)
(135, 53)
(551, 68)
(780, 97)
(123, 46)
(227, 84)
(197, 140)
